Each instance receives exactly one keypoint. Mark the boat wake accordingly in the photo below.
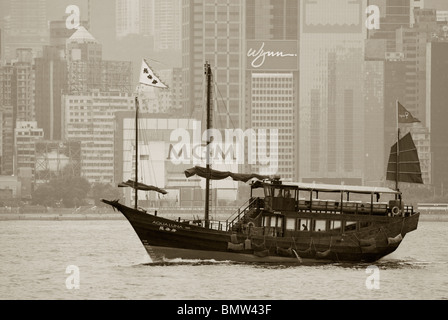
(390, 264)
(186, 262)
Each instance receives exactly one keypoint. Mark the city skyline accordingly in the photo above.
(318, 74)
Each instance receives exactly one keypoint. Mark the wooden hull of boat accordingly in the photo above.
(166, 239)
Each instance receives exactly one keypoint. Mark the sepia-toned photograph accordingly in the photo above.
(223, 155)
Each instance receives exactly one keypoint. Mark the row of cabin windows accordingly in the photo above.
(296, 224)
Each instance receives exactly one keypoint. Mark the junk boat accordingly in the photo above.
(289, 222)
(286, 222)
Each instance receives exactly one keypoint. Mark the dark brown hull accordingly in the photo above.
(168, 239)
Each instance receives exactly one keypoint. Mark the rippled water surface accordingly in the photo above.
(112, 264)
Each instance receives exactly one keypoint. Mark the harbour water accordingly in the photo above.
(104, 259)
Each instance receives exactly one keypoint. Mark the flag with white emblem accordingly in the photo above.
(149, 78)
(404, 116)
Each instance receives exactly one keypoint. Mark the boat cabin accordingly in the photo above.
(291, 207)
(302, 197)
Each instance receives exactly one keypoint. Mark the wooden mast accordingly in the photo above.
(208, 73)
(398, 148)
(136, 154)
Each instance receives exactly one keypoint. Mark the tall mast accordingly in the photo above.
(208, 73)
(398, 161)
(136, 154)
(398, 149)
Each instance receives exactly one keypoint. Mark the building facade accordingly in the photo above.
(89, 118)
(272, 84)
(437, 97)
(167, 15)
(50, 84)
(332, 114)
(213, 31)
(26, 134)
(26, 27)
(7, 124)
(134, 17)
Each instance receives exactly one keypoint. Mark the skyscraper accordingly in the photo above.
(7, 123)
(96, 89)
(134, 17)
(213, 31)
(331, 97)
(394, 15)
(89, 118)
(272, 86)
(88, 71)
(167, 29)
(437, 115)
(411, 42)
(26, 27)
(51, 82)
(22, 87)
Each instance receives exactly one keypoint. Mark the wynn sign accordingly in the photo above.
(272, 55)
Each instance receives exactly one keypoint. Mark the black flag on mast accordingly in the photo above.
(404, 116)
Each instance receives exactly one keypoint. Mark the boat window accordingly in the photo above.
(265, 221)
(335, 224)
(273, 221)
(290, 224)
(279, 222)
(320, 225)
(258, 193)
(303, 224)
(279, 192)
(267, 191)
(350, 225)
(289, 193)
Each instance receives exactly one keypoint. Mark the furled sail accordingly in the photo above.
(409, 163)
(219, 175)
(141, 186)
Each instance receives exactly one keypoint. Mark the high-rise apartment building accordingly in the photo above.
(170, 101)
(22, 86)
(7, 124)
(26, 134)
(89, 118)
(17, 82)
(96, 89)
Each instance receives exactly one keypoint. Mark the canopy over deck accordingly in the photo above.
(327, 187)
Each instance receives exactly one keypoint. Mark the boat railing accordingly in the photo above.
(317, 205)
(241, 212)
(408, 210)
